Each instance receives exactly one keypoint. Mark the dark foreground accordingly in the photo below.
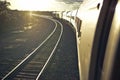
(64, 65)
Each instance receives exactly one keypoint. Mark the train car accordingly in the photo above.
(72, 17)
(86, 21)
(97, 24)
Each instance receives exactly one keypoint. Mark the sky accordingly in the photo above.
(45, 5)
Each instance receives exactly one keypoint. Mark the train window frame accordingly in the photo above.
(101, 38)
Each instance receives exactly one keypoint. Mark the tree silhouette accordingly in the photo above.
(4, 5)
(4, 14)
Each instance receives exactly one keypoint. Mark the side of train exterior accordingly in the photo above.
(97, 25)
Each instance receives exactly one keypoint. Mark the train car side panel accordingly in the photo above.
(89, 17)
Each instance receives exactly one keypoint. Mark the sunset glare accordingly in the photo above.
(32, 4)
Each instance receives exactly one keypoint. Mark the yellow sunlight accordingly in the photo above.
(32, 4)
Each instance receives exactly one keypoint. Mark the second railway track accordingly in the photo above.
(34, 64)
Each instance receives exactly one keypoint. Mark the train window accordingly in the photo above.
(78, 24)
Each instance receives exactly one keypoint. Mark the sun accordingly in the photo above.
(32, 4)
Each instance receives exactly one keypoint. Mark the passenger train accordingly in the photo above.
(97, 25)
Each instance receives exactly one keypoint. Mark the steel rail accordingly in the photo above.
(49, 58)
(25, 59)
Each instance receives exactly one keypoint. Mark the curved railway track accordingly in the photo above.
(31, 67)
